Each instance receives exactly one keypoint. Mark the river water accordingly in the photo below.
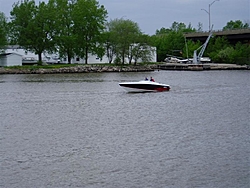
(83, 130)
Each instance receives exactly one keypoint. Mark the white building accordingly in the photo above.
(24, 53)
(10, 59)
(94, 59)
(31, 58)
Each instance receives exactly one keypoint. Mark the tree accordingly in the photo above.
(141, 49)
(235, 25)
(160, 41)
(3, 31)
(124, 33)
(181, 27)
(171, 41)
(169, 44)
(162, 31)
(89, 23)
(224, 55)
(65, 37)
(109, 44)
(124, 39)
(200, 26)
(32, 27)
(216, 45)
(242, 53)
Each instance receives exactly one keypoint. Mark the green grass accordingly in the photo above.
(41, 66)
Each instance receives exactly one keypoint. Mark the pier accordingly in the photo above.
(201, 67)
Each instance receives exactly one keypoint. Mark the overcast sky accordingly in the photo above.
(155, 14)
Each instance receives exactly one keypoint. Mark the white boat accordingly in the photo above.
(144, 86)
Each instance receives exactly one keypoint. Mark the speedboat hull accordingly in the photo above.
(144, 86)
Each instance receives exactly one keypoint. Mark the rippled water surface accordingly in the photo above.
(83, 130)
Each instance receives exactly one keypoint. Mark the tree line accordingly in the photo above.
(219, 49)
(74, 28)
(77, 28)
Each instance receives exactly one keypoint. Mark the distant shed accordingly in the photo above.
(10, 59)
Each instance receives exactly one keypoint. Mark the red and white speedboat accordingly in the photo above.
(144, 86)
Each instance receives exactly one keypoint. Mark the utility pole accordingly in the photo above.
(209, 14)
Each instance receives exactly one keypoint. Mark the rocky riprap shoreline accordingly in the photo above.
(78, 69)
(137, 68)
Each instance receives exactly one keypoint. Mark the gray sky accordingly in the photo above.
(155, 14)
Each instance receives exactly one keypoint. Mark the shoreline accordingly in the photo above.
(78, 69)
(137, 68)
(202, 67)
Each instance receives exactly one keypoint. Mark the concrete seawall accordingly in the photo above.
(201, 67)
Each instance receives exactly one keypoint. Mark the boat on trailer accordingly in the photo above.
(144, 86)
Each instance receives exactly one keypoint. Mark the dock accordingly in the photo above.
(201, 67)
